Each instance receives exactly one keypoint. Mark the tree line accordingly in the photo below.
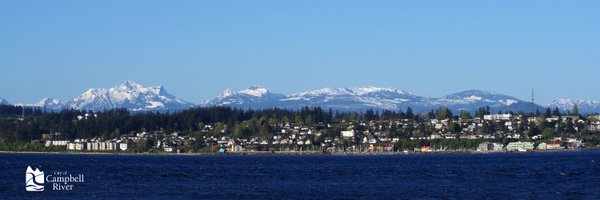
(18, 124)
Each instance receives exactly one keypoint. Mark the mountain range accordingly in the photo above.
(135, 97)
(584, 106)
(364, 98)
(129, 95)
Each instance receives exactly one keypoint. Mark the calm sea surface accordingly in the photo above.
(560, 175)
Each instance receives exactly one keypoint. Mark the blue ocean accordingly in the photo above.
(556, 175)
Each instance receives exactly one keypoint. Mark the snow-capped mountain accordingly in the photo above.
(129, 95)
(136, 97)
(363, 98)
(49, 104)
(567, 105)
(473, 99)
(3, 102)
(253, 97)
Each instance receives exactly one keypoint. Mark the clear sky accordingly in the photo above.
(196, 49)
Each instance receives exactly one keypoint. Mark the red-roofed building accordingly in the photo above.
(555, 144)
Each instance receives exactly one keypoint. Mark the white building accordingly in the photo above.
(101, 146)
(488, 146)
(519, 146)
(56, 143)
(124, 146)
(77, 146)
(348, 134)
(170, 149)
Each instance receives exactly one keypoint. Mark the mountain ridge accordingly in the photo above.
(567, 105)
(135, 97)
(129, 95)
(369, 97)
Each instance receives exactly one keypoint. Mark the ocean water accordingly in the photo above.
(558, 175)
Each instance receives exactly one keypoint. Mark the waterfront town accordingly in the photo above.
(504, 132)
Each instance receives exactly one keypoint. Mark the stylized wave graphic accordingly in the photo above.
(35, 187)
(32, 179)
(32, 184)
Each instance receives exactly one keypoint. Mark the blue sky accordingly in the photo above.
(196, 49)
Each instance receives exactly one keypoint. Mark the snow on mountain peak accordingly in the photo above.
(255, 90)
(479, 98)
(359, 91)
(473, 98)
(561, 102)
(227, 93)
(133, 96)
(567, 105)
(471, 95)
(48, 101)
(324, 91)
(129, 95)
(130, 84)
(370, 89)
(572, 102)
(591, 106)
(508, 102)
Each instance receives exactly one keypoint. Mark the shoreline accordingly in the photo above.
(292, 153)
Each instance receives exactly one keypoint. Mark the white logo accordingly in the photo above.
(34, 180)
